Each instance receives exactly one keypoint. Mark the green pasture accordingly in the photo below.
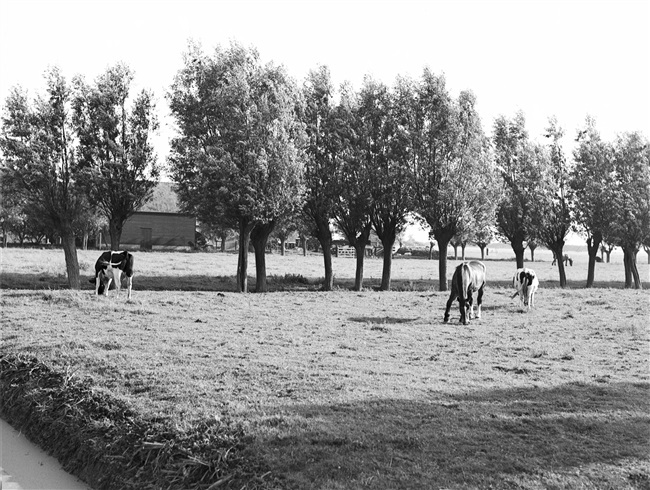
(190, 385)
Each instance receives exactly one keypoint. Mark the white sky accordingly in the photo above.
(564, 58)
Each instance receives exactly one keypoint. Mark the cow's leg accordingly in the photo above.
(97, 282)
(129, 285)
(107, 285)
(469, 305)
(117, 275)
(462, 305)
(450, 302)
(479, 302)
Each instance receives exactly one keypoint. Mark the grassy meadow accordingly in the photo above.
(348, 390)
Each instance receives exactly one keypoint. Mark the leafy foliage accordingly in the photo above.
(115, 146)
(553, 203)
(591, 182)
(238, 158)
(321, 188)
(516, 162)
(448, 159)
(39, 165)
(631, 199)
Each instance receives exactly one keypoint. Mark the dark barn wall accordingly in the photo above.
(167, 230)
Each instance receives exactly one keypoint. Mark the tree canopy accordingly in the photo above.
(120, 168)
(238, 157)
(39, 162)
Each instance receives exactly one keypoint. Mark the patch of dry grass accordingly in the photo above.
(366, 389)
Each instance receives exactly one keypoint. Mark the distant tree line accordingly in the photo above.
(259, 154)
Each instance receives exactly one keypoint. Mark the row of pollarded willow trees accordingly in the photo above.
(254, 149)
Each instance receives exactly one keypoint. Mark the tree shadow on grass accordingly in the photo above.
(574, 435)
(206, 282)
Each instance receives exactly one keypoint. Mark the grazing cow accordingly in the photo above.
(109, 268)
(526, 284)
(468, 277)
(565, 258)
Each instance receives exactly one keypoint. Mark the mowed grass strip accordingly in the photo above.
(366, 389)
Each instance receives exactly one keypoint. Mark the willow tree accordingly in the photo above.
(39, 164)
(320, 165)
(352, 209)
(631, 200)
(385, 149)
(515, 158)
(591, 181)
(115, 145)
(448, 157)
(553, 201)
(238, 157)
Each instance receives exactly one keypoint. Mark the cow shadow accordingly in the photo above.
(486, 438)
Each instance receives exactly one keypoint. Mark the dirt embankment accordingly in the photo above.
(101, 441)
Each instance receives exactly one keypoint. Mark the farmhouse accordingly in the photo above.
(159, 224)
(147, 230)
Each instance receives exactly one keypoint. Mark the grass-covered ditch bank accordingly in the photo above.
(105, 443)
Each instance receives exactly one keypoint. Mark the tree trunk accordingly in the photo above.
(326, 245)
(532, 253)
(593, 244)
(303, 241)
(115, 232)
(482, 247)
(324, 237)
(455, 245)
(518, 248)
(647, 251)
(245, 228)
(430, 251)
(71, 259)
(631, 270)
(259, 239)
(443, 243)
(360, 248)
(558, 248)
(283, 242)
(462, 250)
(387, 242)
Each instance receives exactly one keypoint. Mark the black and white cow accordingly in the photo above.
(565, 258)
(109, 268)
(526, 284)
(468, 278)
